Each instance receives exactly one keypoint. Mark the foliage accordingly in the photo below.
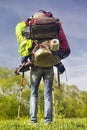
(69, 102)
(8, 107)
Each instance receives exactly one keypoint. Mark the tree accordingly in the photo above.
(68, 101)
(10, 87)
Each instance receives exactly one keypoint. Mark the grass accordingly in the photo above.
(59, 124)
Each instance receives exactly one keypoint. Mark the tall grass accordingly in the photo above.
(59, 124)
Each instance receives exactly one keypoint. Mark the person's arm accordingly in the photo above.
(25, 44)
(19, 29)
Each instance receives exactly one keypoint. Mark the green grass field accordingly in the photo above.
(60, 124)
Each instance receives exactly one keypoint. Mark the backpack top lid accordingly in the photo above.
(44, 26)
(42, 14)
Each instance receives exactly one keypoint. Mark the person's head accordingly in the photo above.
(42, 13)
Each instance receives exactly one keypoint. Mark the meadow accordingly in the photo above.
(59, 124)
(69, 106)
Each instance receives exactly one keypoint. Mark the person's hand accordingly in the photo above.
(60, 67)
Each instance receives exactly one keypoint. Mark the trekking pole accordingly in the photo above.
(20, 94)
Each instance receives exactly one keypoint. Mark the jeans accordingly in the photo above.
(35, 77)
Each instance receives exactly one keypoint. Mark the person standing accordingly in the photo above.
(37, 72)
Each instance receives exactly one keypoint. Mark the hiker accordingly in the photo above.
(27, 45)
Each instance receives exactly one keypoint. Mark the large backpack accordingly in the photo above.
(46, 28)
(42, 31)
